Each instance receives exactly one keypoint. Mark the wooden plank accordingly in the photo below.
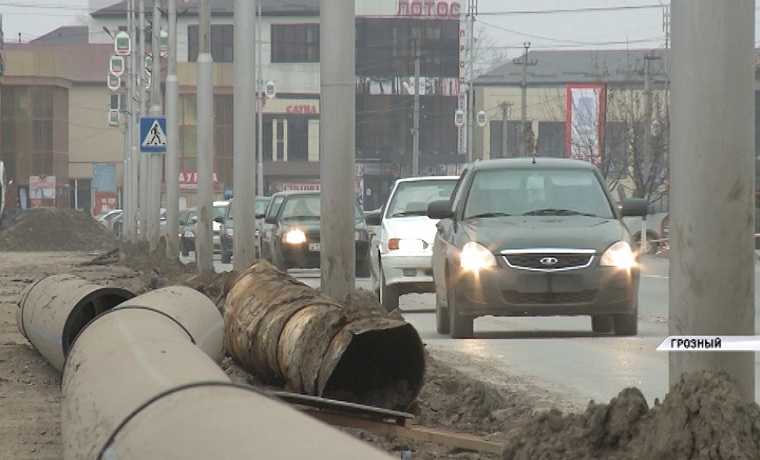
(448, 438)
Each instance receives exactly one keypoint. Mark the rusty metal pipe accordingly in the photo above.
(135, 386)
(52, 310)
(291, 335)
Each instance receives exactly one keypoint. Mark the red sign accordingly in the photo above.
(429, 9)
(304, 109)
(104, 202)
(188, 179)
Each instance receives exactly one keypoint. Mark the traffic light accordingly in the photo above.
(459, 117)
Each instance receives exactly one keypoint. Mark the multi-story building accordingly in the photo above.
(55, 100)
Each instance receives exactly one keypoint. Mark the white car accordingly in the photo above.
(401, 250)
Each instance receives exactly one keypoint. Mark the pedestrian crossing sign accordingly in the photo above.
(153, 134)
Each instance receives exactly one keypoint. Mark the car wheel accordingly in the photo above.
(185, 249)
(388, 294)
(602, 323)
(225, 256)
(362, 267)
(442, 324)
(627, 324)
(460, 326)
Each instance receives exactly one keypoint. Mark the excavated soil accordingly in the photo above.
(703, 417)
(52, 229)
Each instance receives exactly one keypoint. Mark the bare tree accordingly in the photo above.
(487, 53)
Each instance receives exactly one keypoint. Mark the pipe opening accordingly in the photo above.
(87, 309)
(381, 368)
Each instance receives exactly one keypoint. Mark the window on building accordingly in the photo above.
(552, 140)
(496, 135)
(295, 43)
(222, 38)
(298, 139)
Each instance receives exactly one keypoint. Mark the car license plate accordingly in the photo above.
(314, 247)
(537, 283)
(567, 283)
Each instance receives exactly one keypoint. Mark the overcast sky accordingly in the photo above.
(546, 24)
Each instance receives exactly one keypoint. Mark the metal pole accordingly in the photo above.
(524, 101)
(204, 250)
(244, 147)
(712, 264)
(416, 128)
(470, 76)
(259, 105)
(142, 227)
(505, 106)
(134, 118)
(155, 159)
(130, 182)
(337, 144)
(172, 137)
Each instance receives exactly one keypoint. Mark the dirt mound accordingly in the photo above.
(56, 230)
(703, 416)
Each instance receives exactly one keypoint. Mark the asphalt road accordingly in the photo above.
(559, 355)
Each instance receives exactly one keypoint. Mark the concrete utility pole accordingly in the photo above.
(416, 121)
(472, 8)
(506, 108)
(130, 180)
(142, 226)
(204, 249)
(337, 143)
(259, 103)
(244, 139)
(712, 263)
(155, 159)
(135, 156)
(524, 62)
(172, 137)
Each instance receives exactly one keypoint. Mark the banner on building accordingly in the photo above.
(42, 191)
(188, 180)
(585, 121)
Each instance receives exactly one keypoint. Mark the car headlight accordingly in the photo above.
(189, 234)
(618, 255)
(406, 245)
(228, 231)
(294, 236)
(475, 257)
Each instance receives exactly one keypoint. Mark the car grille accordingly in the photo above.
(537, 261)
(515, 297)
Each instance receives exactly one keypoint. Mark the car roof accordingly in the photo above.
(425, 178)
(296, 192)
(221, 203)
(530, 162)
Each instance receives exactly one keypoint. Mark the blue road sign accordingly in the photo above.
(153, 134)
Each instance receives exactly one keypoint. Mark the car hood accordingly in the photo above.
(309, 226)
(411, 227)
(524, 232)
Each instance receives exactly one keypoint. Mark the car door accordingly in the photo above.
(444, 237)
(266, 232)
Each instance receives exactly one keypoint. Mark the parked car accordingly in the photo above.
(263, 233)
(534, 237)
(294, 240)
(402, 247)
(107, 218)
(187, 241)
(228, 224)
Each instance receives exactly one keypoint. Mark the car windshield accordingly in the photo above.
(537, 192)
(412, 198)
(307, 207)
(258, 208)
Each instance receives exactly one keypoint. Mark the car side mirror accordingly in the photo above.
(635, 207)
(440, 209)
(219, 220)
(373, 218)
(270, 219)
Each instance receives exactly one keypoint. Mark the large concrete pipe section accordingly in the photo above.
(52, 310)
(291, 335)
(136, 386)
(190, 309)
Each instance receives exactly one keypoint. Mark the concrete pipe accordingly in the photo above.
(193, 311)
(135, 386)
(52, 310)
(293, 336)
